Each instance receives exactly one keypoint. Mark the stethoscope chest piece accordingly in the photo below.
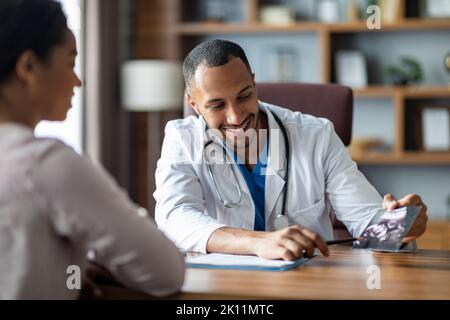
(280, 222)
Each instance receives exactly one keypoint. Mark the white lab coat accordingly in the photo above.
(322, 177)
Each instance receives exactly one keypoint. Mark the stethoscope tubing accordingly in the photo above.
(231, 204)
(288, 161)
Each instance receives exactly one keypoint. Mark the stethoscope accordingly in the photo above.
(281, 221)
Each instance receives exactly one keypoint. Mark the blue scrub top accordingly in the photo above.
(256, 182)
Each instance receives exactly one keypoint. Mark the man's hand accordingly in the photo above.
(420, 224)
(290, 243)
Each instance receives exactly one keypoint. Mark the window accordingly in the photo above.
(69, 131)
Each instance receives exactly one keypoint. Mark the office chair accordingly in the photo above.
(330, 101)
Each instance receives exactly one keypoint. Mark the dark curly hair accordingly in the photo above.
(36, 25)
(212, 53)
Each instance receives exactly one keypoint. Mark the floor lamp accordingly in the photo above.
(155, 87)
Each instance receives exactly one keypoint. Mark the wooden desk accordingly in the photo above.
(343, 275)
(437, 236)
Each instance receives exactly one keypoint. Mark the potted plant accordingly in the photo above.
(407, 72)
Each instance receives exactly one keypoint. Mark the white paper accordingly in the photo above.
(351, 69)
(436, 131)
(438, 8)
(219, 259)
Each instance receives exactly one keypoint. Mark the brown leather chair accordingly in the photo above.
(330, 101)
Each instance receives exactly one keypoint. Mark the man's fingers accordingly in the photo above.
(389, 197)
(316, 239)
(297, 243)
(410, 200)
(419, 226)
(421, 219)
(294, 247)
(408, 239)
(307, 244)
(299, 238)
(284, 253)
(389, 202)
(417, 231)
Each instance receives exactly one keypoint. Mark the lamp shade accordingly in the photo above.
(151, 85)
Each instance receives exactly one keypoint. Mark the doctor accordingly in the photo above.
(281, 171)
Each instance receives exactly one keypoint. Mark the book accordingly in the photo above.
(390, 10)
(436, 129)
(240, 262)
(351, 69)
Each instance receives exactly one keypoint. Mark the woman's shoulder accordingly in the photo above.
(21, 147)
(48, 147)
(60, 170)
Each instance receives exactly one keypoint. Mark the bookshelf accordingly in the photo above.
(189, 30)
(404, 91)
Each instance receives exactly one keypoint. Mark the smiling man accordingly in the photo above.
(284, 172)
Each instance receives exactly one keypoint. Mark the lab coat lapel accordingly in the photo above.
(275, 164)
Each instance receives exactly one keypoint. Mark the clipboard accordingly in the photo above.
(240, 262)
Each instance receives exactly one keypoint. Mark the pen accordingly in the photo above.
(331, 242)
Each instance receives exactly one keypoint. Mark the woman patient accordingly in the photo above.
(56, 206)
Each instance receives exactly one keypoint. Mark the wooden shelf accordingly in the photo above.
(375, 92)
(200, 28)
(407, 157)
(426, 92)
(235, 28)
(410, 92)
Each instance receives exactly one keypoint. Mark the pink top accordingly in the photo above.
(55, 207)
